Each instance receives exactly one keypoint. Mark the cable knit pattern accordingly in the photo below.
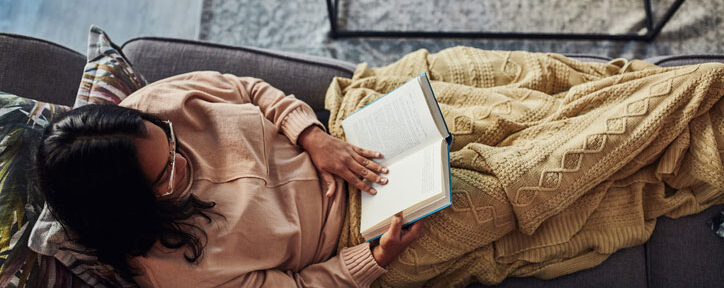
(556, 163)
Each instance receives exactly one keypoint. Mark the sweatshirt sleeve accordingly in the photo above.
(289, 114)
(353, 267)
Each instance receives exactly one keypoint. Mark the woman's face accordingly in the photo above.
(155, 160)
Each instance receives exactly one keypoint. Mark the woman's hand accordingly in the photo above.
(395, 240)
(334, 156)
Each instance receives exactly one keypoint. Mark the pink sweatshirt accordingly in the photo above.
(280, 230)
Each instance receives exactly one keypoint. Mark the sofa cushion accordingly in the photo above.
(625, 268)
(39, 69)
(306, 77)
(678, 60)
(685, 252)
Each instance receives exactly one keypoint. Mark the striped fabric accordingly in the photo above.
(108, 77)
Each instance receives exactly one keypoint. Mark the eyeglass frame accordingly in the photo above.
(172, 161)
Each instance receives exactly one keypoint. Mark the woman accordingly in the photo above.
(218, 193)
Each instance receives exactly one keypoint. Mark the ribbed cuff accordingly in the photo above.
(361, 264)
(297, 120)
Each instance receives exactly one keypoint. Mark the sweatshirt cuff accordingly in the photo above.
(360, 263)
(297, 120)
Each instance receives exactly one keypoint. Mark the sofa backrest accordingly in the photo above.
(38, 69)
(307, 77)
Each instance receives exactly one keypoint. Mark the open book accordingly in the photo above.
(407, 127)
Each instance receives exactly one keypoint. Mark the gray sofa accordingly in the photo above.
(681, 252)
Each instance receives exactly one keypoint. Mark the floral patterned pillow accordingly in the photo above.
(22, 122)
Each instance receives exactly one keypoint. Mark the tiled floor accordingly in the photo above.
(66, 22)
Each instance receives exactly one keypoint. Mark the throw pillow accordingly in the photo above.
(108, 78)
(21, 124)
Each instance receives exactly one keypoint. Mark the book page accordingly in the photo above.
(394, 124)
(433, 107)
(412, 179)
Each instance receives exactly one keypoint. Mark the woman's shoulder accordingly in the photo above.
(172, 87)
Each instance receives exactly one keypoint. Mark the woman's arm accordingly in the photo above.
(356, 266)
(352, 267)
(289, 114)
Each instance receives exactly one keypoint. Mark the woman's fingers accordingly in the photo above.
(355, 165)
(366, 153)
(369, 164)
(365, 173)
(412, 233)
(395, 227)
(331, 184)
(354, 180)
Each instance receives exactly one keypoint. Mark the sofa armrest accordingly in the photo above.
(39, 69)
(307, 77)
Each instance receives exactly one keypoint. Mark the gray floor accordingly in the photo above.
(66, 22)
(302, 26)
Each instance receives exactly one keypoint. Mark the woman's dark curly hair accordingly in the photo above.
(90, 176)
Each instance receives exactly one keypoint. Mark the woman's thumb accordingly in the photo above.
(331, 184)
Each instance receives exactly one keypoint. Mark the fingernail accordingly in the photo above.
(384, 170)
(373, 191)
(379, 154)
(383, 180)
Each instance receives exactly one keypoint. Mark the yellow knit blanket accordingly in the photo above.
(556, 163)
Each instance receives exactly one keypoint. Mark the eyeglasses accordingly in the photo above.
(172, 159)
